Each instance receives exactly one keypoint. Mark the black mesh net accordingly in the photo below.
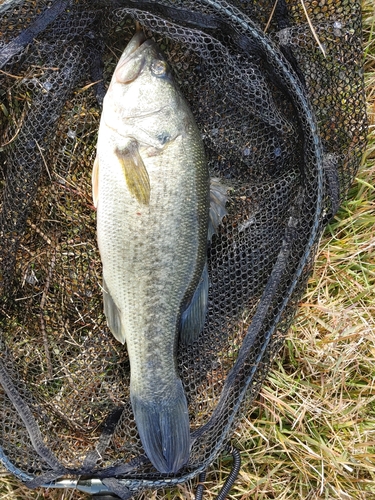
(277, 94)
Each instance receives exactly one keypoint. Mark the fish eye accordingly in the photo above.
(159, 68)
(164, 137)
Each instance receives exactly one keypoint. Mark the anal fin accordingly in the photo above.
(193, 317)
(113, 315)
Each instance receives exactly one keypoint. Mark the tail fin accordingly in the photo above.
(164, 430)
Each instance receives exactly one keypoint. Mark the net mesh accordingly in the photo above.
(283, 122)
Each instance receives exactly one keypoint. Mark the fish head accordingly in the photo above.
(144, 57)
(142, 100)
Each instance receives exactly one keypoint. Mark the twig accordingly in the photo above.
(42, 324)
(271, 16)
(10, 75)
(313, 29)
(38, 231)
(44, 161)
(88, 86)
(17, 131)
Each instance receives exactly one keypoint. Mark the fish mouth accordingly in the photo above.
(135, 43)
(132, 60)
(138, 43)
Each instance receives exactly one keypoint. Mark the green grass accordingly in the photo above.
(314, 433)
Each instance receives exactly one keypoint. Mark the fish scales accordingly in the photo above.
(159, 256)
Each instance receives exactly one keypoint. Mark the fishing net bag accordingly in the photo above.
(276, 89)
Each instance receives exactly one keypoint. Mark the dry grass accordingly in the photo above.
(313, 436)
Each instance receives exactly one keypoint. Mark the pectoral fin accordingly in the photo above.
(193, 318)
(113, 315)
(135, 172)
(218, 199)
(95, 182)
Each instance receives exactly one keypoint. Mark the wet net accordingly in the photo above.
(276, 89)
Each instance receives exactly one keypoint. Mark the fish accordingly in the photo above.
(151, 189)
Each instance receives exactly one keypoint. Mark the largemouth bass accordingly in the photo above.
(151, 190)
